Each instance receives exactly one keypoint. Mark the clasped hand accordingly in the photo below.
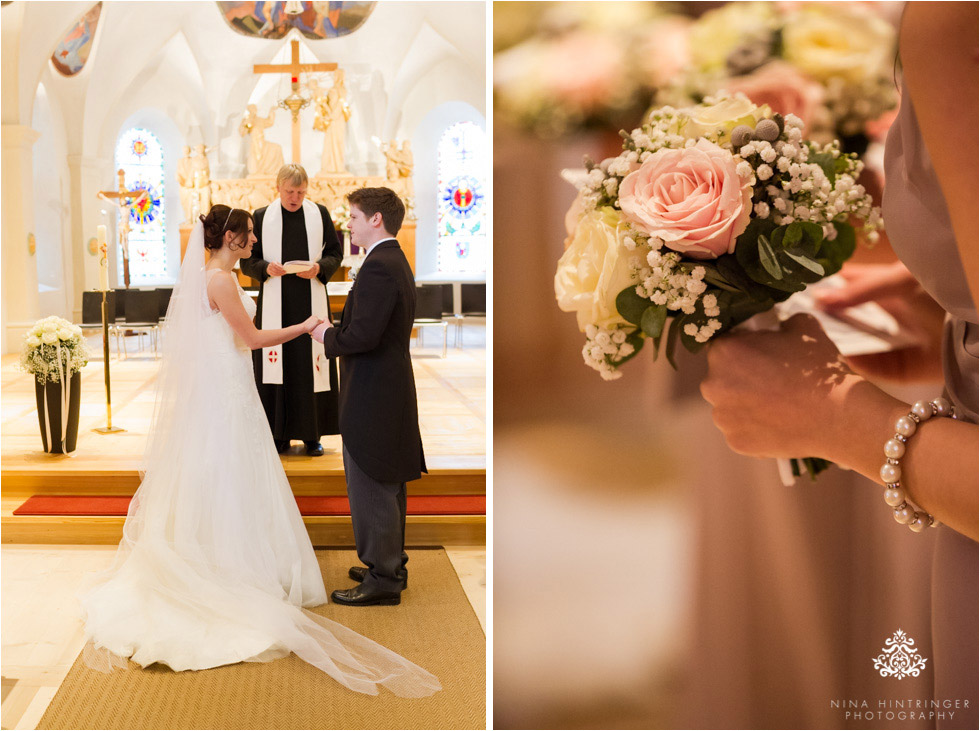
(312, 322)
(775, 393)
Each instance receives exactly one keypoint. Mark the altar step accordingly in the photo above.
(305, 478)
(98, 519)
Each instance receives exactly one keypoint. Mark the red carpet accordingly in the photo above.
(118, 505)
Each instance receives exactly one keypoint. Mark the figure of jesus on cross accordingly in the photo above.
(125, 200)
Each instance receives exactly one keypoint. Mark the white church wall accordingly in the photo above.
(51, 208)
(425, 143)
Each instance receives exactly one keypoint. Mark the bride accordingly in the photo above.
(215, 563)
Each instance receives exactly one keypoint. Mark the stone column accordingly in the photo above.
(85, 173)
(19, 267)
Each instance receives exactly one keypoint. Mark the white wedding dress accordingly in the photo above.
(215, 563)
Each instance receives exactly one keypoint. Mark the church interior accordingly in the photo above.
(122, 123)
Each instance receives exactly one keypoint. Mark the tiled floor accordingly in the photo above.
(41, 635)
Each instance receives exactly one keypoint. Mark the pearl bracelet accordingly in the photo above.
(891, 471)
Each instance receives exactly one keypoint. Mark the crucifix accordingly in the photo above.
(294, 102)
(127, 200)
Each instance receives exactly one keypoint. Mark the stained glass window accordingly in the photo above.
(462, 209)
(140, 156)
(72, 53)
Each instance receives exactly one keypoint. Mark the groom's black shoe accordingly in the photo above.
(314, 449)
(359, 573)
(358, 596)
(282, 445)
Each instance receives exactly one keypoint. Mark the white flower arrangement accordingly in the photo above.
(340, 215)
(49, 339)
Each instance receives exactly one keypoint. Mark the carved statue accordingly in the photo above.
(399, 164)
(185, 179)
(264, 157)
(201, 176)
(332, 115)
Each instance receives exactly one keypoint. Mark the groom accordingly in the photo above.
(379, 418)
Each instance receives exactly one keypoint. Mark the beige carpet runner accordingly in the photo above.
(434, 626)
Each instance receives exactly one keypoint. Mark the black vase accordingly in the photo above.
(49, 406)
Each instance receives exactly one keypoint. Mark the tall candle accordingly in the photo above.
(103, 259)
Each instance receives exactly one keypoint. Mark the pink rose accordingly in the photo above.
(691, 198)
(783, 88)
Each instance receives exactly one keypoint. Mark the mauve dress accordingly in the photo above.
(920, 232)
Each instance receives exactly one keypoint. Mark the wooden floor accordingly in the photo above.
(452, 418)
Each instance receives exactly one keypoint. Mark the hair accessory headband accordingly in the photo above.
(227, 218)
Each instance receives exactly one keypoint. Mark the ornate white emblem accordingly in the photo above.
(899, 658)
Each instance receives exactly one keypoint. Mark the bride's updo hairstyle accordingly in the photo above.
(221, 218)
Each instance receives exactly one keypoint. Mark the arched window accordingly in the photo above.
(462, 208)
(140, 156)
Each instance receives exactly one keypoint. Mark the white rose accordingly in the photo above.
(826, 40)
(64, 333)
(49, 337)
(593, 271)
(49, 327)
(33, 341)
(718, 120)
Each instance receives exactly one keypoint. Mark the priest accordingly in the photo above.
(296, 381)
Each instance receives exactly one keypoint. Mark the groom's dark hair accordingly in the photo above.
(383, 201)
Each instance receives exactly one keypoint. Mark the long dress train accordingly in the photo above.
(215, 565)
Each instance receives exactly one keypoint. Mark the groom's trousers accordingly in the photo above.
(377, 511)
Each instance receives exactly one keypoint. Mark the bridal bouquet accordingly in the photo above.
(710, 215)
(52, 348)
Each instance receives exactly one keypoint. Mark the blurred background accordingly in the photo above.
(645, 576)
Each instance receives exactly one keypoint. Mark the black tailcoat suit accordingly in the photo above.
(294, 410)
(379, 418)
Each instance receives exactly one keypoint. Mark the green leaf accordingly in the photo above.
(834, 253)
(671, 344)
(732, 270)
(805, 262)
(636, 340)
(631, 305)
(767, 257)
(652, 322)
(794, 232)
(826, 162)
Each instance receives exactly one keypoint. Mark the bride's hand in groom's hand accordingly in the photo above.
(776, 393)
(311, 322)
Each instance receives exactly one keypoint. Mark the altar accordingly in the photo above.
(322, 87)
